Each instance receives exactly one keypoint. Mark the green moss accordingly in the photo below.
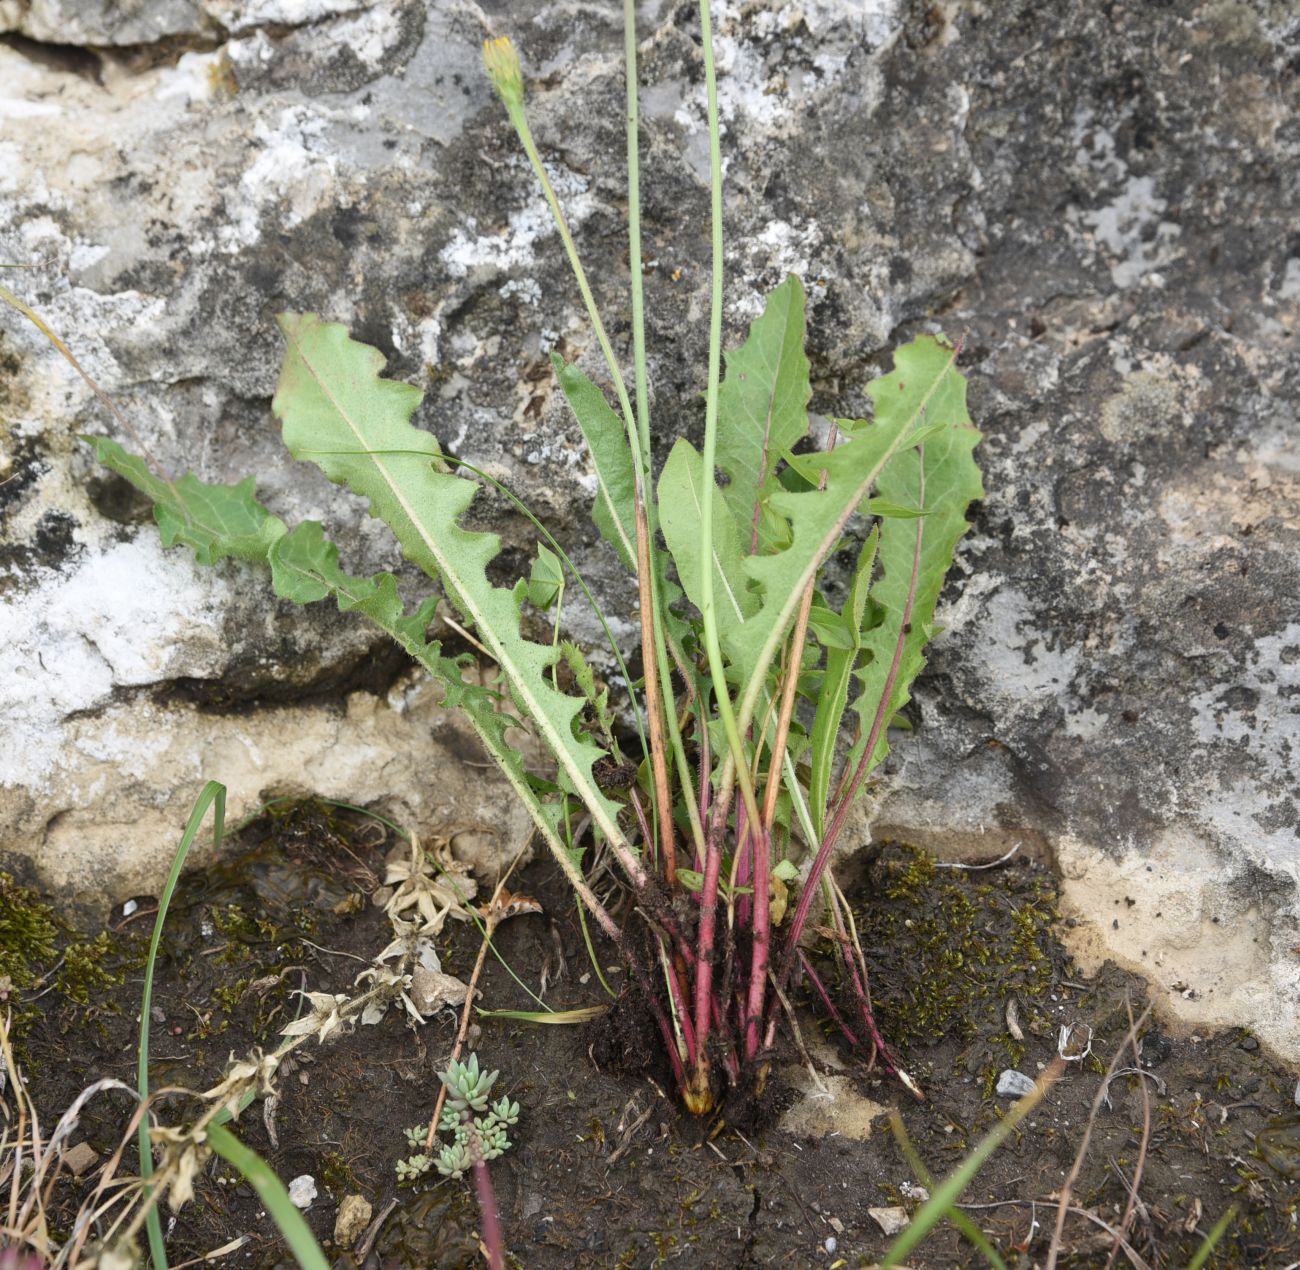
(36, 955)
(27, 934)
(90, 969)
(947, 950)
(337, 1175)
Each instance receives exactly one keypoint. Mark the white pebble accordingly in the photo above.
(831, 1244)
(1014, 1084)
(302, 1190)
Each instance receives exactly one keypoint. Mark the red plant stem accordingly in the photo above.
(706, 763)
(666, 1031)
(826, 998)
(677, 999)
(743, 872)
(658, 912)
(762, 928)
(488, 1216)
(859, 980)
(707, 932)
(882, 713)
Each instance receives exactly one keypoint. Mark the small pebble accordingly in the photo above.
(80, 1158)
(352, 1220)
(1250, 1044)
(1014, 1084)
(302, 1190)
(129, 907)
(1297, 1093)
(831, 1244)
(890, 1220)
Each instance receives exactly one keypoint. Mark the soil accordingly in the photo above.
(606, 1168)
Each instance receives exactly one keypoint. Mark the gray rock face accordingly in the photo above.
(1099, 200)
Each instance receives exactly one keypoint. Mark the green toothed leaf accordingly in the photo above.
(338, 412)
(216, 521)
(952, 482)
(763, 409)
(585, 678)
(923, 387)
(305, 568)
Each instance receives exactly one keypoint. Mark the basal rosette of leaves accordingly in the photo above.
(735, 782)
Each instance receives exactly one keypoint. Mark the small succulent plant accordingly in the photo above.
(477, 1129)
(467, 1087)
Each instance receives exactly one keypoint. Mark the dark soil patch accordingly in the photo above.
(606, 1169)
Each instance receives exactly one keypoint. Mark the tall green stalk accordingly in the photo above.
(708, 610)
(634, 236)
(503, 68)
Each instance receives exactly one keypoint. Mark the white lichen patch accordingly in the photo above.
(469, 250)
(1130, 229)
(1018, 662)
(294, 173)
(240, 15)
(1258, 709)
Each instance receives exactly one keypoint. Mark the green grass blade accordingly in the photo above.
(212, 795)
(1219, 1229)
(942, 1201)
(955, 1215)
(270, 1190)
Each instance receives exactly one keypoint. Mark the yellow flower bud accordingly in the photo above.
(503, 69)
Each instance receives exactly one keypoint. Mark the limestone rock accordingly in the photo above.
(352, 1220)
(1093, 201)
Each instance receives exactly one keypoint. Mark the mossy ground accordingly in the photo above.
(42, 957)
(606, 1170)
(951, 952)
